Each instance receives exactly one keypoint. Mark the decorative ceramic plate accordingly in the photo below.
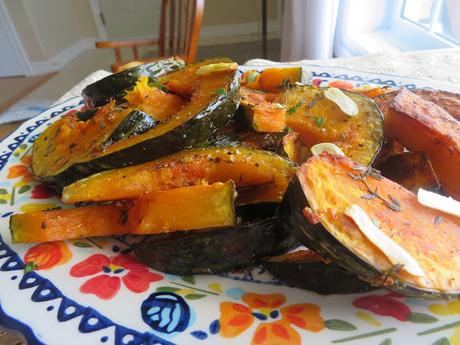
(93, 291)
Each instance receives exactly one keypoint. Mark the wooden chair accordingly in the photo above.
(180, 26)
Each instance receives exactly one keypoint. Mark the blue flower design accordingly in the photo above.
(166, 312)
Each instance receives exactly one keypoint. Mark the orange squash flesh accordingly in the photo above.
(330, 190)
(319, 120)
(246, 167)
(264, 111)
(57, 225)
(432, 130)
(159, 104)
(272, 78)
(198, 91)
(187, 208)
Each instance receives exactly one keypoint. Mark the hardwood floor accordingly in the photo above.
(15, 88)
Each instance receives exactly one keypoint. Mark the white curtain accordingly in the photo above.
(308, 29)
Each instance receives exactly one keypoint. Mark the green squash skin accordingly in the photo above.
(318, 239)
(115, 85)
(137, 122)
(187, 135)
(316, 275)
(212, 251)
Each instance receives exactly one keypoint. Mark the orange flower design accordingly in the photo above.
(44, 256)
(235, 318)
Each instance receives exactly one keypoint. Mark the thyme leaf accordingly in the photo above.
(392, 203)
(295, 107)
(437, 220)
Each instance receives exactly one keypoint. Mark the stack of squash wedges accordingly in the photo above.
(217, 170)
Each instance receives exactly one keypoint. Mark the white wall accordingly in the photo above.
(52, 32)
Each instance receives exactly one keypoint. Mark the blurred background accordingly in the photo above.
(47, 46)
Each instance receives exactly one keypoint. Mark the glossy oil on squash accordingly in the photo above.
(326, 184)
(318, 120)
(65, 224)
(209, 101)
(259, 176)
(187, 208)
(432, 130)
(272, 78)
(263, 111)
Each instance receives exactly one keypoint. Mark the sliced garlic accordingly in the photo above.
(438, 202)
(326, 147)
(392, 250)
(216, 67)
(344, 102)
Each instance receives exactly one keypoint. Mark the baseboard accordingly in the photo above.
(58, 61)
(237, 33)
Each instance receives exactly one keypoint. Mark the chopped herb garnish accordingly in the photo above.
(159, 86)
(30, 266)
(295, 107)
(318, 120)
(219, 92)
(437, 220)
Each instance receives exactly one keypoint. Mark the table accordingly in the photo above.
(441, 65)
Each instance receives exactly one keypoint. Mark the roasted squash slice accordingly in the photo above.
(260, 176)
(432, 130)
(115, 86)
(305, 269)
(257, 234)
(187, 208)
(235, 133)
(317, 208)
(263, 111)
(449, 101)
(412, 170)
(210, 101)
(272, 78)
(317, 119)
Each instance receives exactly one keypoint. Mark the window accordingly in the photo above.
(374, 26)
(440, 18)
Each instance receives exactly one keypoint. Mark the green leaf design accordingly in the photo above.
(193, 296)
(16, 154)
(188, 279)
(167, 289)
(339, 325)
(82, 244)
(421, 318)
(24, 189)
(3, 191)
(23, 146)
(3, 201)
(442, 341)
(30, 266)
(386, 341)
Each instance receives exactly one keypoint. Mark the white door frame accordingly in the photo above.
(15, 40)
(96, 10)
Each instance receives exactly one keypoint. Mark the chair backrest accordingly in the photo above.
(180, 27)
